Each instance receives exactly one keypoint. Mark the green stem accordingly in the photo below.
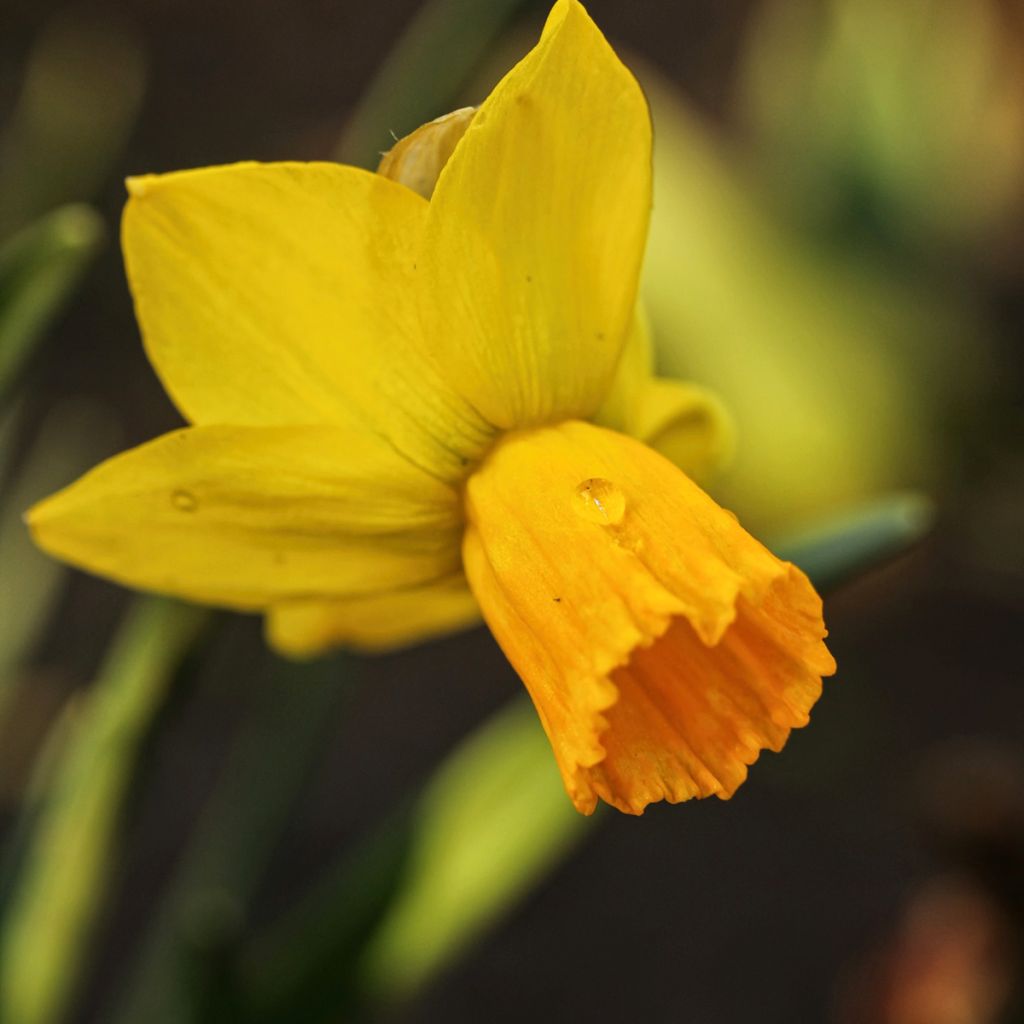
(47, 927)
(422, 75)
(186, 962)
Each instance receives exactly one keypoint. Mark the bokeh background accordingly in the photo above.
(195, 831)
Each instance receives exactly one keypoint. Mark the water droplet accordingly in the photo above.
(600, 501)
(184, 501)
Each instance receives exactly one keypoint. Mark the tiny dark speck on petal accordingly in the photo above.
(558, 600)
(529, 279)
(600, 335)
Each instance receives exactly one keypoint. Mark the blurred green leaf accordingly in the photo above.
(303, 970)
(492, 821)
(902, 123)
(433, 60)
(185, 968)
(17, 842)
(39, 268)
(77, 103)
(836, 551)
(43, 942)
(841, 375)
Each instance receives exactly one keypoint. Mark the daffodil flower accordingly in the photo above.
(407, 412)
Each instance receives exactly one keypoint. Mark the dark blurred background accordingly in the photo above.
(848, 183)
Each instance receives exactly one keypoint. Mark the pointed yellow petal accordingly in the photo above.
(245, 516)
(378, 622)
(688, 424)
(662, 644)
(277, 294)
(536, 231)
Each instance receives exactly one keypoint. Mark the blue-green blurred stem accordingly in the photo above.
(838, 550)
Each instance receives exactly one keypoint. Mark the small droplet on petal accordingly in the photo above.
(600, 501)
(184, 501)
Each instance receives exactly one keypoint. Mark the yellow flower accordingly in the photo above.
(388, 399)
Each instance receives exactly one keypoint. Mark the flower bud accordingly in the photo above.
(418, 159)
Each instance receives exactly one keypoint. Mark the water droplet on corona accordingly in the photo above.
(184, 501)
(600, 501)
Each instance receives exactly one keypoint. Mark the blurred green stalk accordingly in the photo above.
(39, 268)
(421, 77)
(491, 823)
(45, 933)
(76, 106)
(304, 969)
(186, 962)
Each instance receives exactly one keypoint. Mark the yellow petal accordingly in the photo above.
(536, 231)
(662, 645)
(272, 294)
(396, 618)
(688, 424)
(245, 516)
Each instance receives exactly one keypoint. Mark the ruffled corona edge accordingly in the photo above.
(662, 645)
